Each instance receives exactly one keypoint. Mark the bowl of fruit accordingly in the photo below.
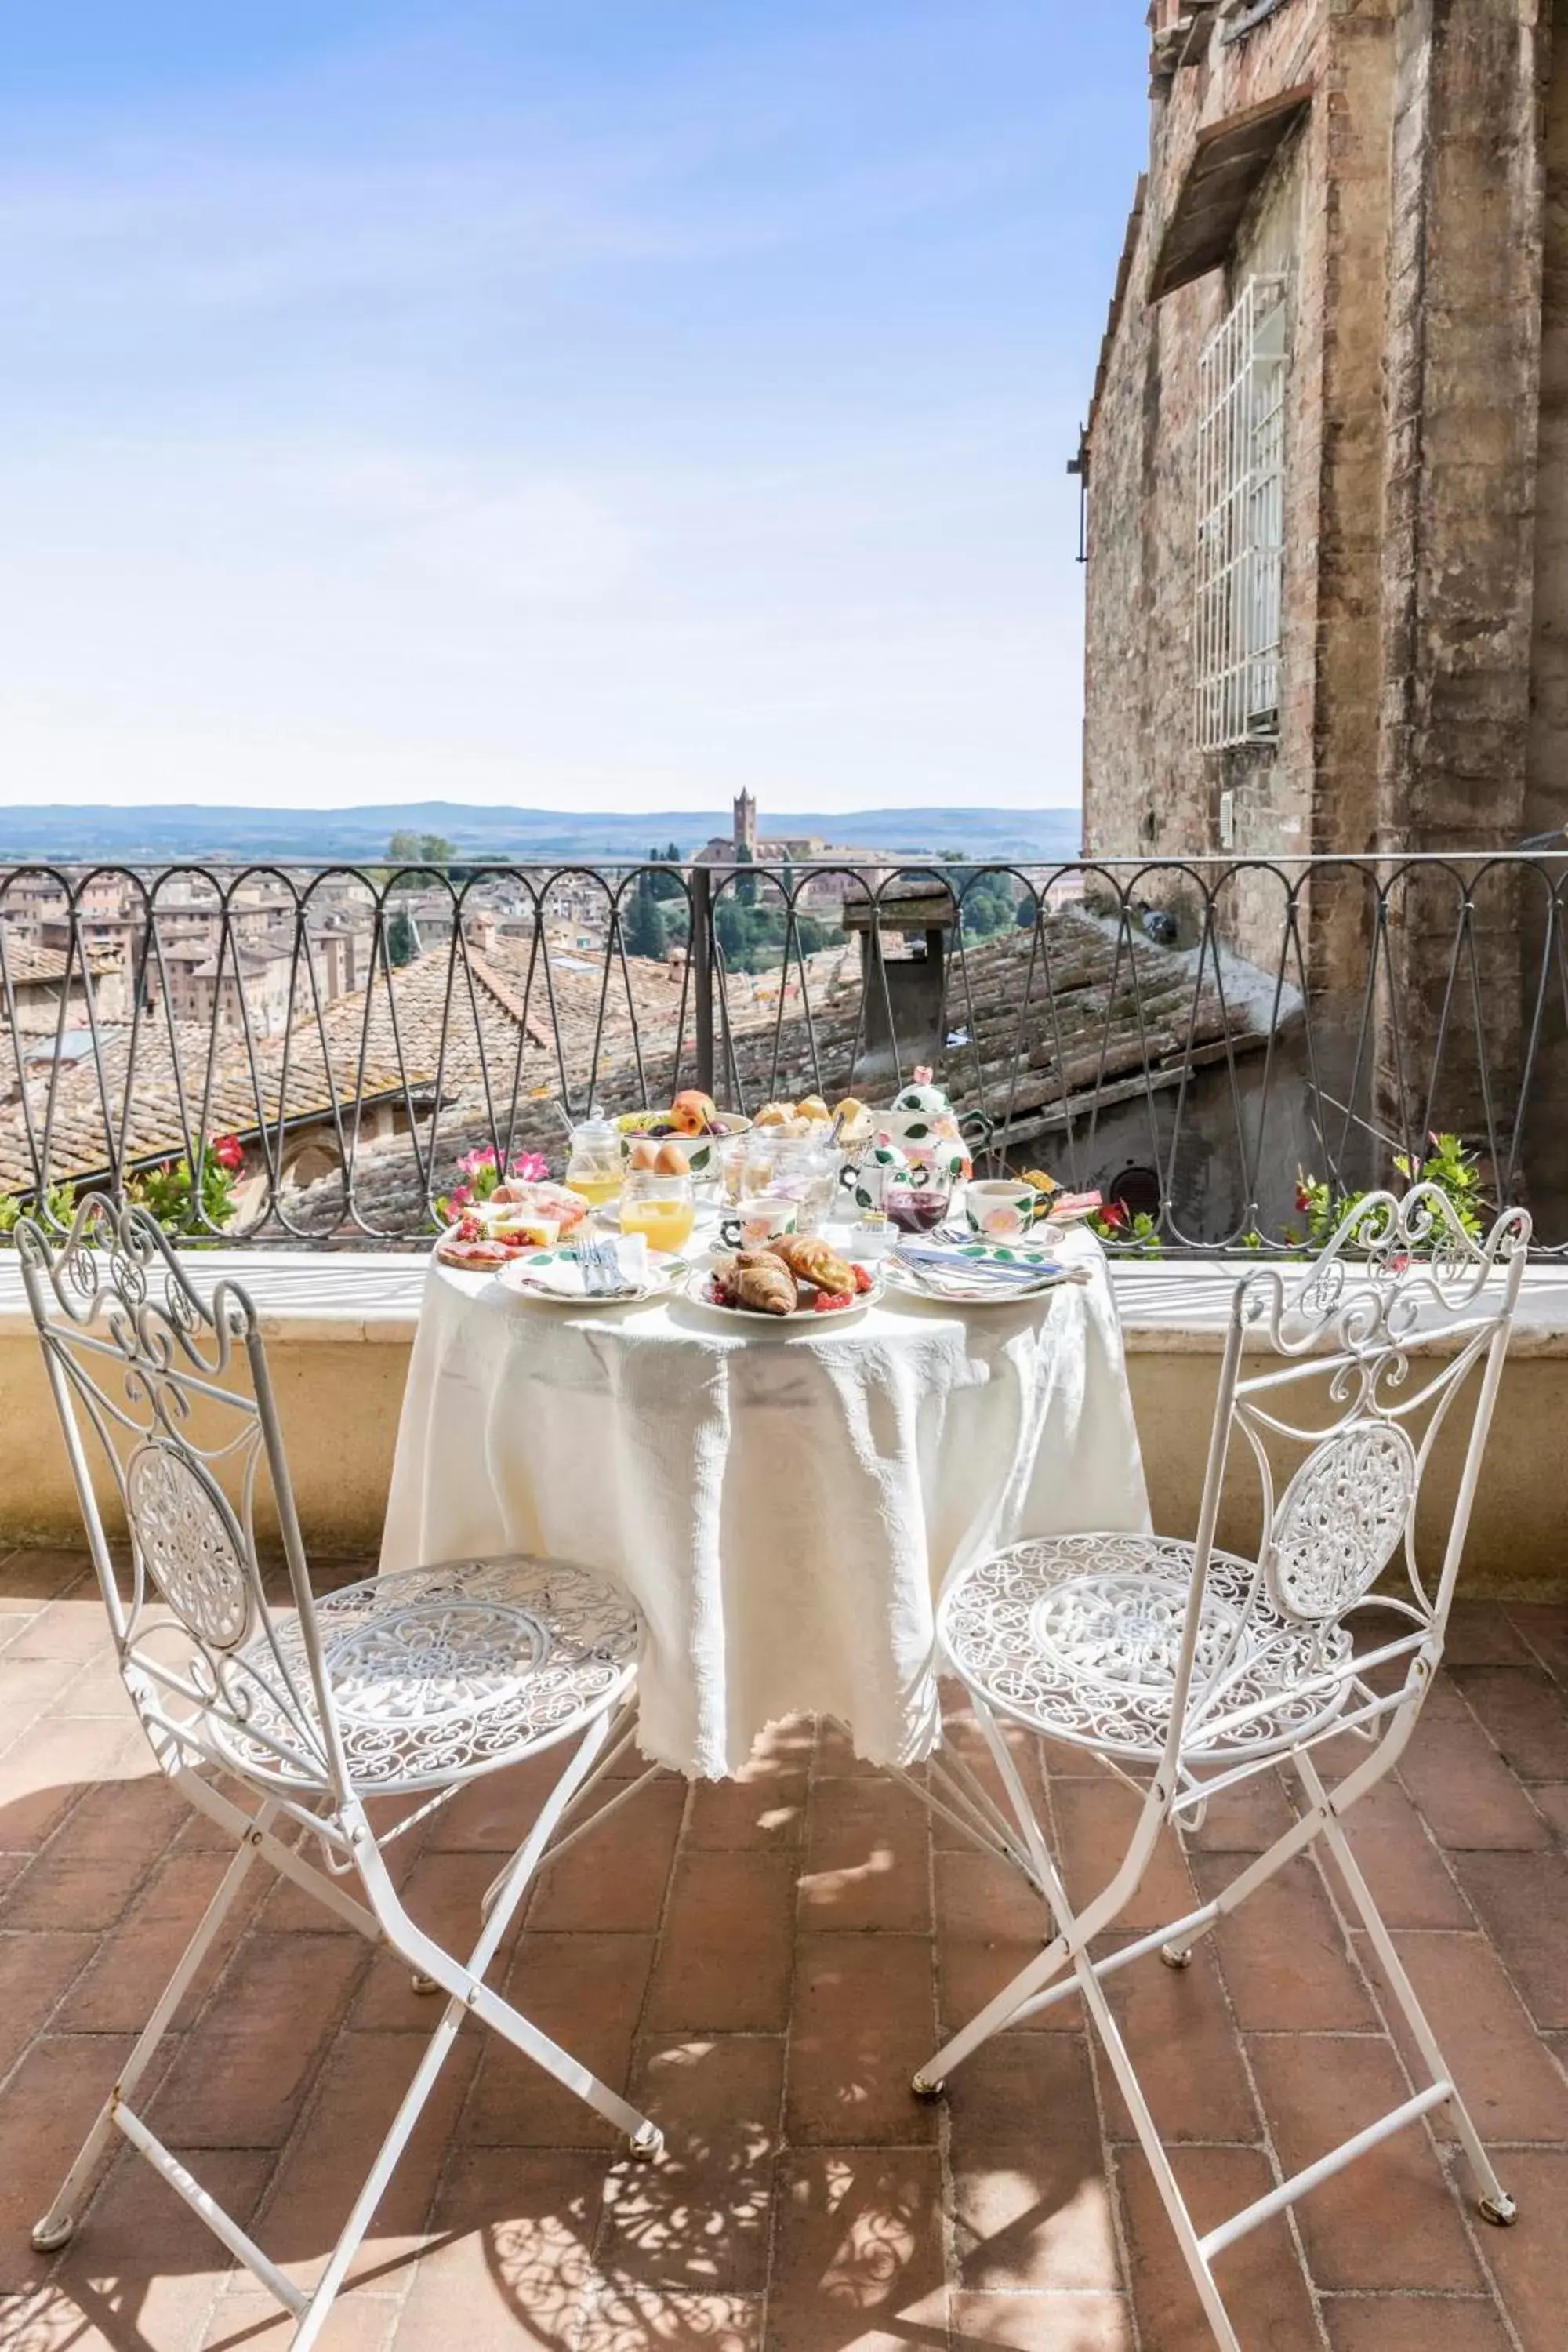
(680, 1141)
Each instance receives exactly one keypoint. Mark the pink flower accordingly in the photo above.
(532, 1167)
(460, 1195)
(1114, 1215)
(473, 1163)
(229, 1151)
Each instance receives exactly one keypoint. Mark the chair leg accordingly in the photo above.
(1495, 2203)
(61, 2220)
(1165, 2181)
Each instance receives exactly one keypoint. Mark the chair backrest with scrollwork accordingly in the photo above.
(1393, 1340)
(169, 1388)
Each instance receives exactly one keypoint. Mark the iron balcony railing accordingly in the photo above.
(297, 1055)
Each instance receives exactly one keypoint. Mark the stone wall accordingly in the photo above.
(1418, 209)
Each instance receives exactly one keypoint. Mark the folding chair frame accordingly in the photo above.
(1178, 1792)
(171, 1354)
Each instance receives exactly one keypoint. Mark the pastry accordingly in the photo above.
(761, 1282)
(814, 1261)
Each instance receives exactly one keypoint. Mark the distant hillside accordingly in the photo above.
(524, 834)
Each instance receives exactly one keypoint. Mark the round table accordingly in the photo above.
(783, 1504)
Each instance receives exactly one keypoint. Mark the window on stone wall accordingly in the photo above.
(1241, 520)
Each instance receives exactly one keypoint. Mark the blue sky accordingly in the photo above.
(605, 402)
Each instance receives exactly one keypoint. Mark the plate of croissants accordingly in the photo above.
(794, 1279)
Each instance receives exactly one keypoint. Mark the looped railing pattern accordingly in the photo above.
(1190, 1036)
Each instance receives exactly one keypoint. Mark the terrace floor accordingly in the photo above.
(765, 1962)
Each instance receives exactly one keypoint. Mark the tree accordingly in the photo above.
(402, 939)
(423, 858)
(642, 923)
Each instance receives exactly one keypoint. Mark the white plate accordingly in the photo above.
(666, 1272)
(697, 1289)
(951, 1289)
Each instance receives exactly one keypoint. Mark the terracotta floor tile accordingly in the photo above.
(864, 2019)
(868, 1859)
(244, 2069)
(99, 1857)
(990, 1924)
(36, 1969)
(1388, 2221)
(30, 1579)
(1525, 1713)
(516, 2274)
(46, 2111)
(616, 1879)
(359, 2091)
(1039, 2323)
(859, 2251)
(133, 1963)
(1521, 1901)
(1246, 1819)
(1031, 2205)
(1259, 2277)
(1544, 1626)
(1510, 2082)
(1410, 1879)
(698, 2219)
(626, 2317)
(1552, 1796)
(1530, 2262)
(586, 1992)
(34, 1687)
(442, 1892)
(765, 1807)
(143, 2266)
(77, 1627)
(1282, 1955)
(1465, 1793)
(246, 2319)
(1179, 2034)
(1095, 1823)
(1484, 1634)
(48, 1769)
(493, 1815)
(724, 1962)
(1381, 2324)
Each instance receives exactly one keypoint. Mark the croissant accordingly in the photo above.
(761, 1282)
(814, 1261)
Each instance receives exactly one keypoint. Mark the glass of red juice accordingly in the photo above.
(916, 1208)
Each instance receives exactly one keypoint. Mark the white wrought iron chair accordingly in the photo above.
(403, 1686)
(1188, 1670)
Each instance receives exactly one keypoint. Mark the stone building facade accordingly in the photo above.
(1388, 180)
(1326, 487)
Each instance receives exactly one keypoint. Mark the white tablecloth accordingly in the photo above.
(784, 1505)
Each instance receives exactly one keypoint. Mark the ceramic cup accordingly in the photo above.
(752, 1224)
(1000, 1211)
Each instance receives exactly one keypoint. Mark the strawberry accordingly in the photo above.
(862, 1280)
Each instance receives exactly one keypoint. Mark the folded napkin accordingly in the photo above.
(562, 1277)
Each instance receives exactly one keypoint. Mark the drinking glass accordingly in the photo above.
(917, 1208)
(662, 1208)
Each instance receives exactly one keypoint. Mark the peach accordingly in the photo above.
(693, 1113)
(643, 1154)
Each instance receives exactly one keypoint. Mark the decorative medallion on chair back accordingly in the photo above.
(167, 1382)
(1400, 1276)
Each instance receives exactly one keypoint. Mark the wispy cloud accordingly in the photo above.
(532, 405)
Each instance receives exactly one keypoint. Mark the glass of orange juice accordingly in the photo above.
(662, 1208)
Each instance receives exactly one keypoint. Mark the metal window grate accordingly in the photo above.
(1241, 520)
